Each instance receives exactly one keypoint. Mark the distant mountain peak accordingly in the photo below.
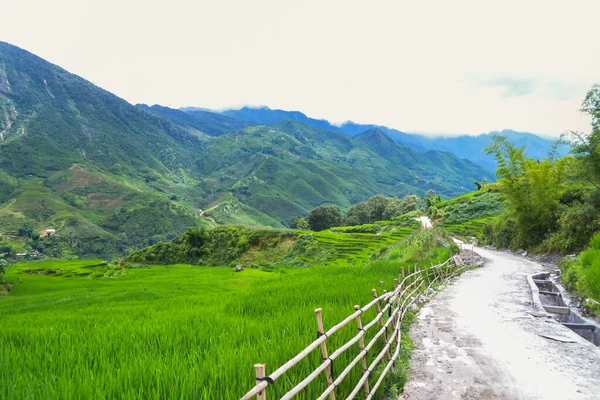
(376, 134)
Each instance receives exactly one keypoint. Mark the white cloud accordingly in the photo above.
(414, 66)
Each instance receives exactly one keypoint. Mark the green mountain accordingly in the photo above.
(80, 160)
(110, 177)
(287, 168)
(464, 146)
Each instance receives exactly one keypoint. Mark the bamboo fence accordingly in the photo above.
(395, 304)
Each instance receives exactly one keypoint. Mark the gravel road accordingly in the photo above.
(477, 340)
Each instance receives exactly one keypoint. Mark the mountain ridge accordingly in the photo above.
(536, 146)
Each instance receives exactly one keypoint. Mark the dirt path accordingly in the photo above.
(425, 221)
(207, 210)
(477, 340)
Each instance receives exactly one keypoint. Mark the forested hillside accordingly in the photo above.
(464, 146)
(83, 172)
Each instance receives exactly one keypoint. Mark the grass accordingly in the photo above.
(182, 331)
(77, 268)
(582, 275)
(466, 216)
(471, 206)
(472, 228)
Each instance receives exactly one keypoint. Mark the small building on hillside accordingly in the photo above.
(48, 232)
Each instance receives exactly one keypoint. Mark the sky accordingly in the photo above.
(433, 67)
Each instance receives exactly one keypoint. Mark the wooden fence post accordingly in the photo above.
(260, 373)
(361, 343)
(416, 276)
(398, 289)
(328, 370)
(381, 324)
(402, 274)
(434, 272)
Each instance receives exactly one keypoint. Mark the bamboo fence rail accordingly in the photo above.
(395, 304)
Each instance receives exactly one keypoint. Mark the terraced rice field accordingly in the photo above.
(473, 228)
(359, 248)
(84, 329)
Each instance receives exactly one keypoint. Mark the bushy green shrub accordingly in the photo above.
(582, 274)
(590, 263)
(502, 233)
(576, 225)
(324, 217)
(218, 246)
(571, 270)
(595, 241)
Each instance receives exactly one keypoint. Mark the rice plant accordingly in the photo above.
(176, 331)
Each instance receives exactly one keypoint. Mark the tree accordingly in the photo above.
(410, 203)
(27, 230)
(4, 265)
(533, 189)
(324, 217)
(377, 203)
(196, 238)
(299, 223)
(430, 193)
(394, 208)
(430, 201)
(358, 214)
(587, 147)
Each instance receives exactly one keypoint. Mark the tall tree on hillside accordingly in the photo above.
(393, 208)
(533, 189)
(299, 223)
(430, 201)
(358, 214)
(377, 203)
(587, 147)
(397, 207)
(324, 217)
(410, 203)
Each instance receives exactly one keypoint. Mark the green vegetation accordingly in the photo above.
(553, 205)
(475, 228)
(481, 204)
(379, 208)
(533, 190)
(468, 215)
(550, 204)
(582, 274)
(219, 246)
(269, 248)
(324, 217)
(299, 223)
(110, 177)
(186, 331)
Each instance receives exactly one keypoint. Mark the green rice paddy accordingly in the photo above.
(91, 330)
(472, 228)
